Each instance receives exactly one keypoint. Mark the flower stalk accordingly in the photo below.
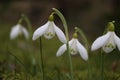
(28, 24)
(102, 65)
(67, 36)
(41, 59)
(20, 20)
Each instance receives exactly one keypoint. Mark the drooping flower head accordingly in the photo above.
(49, 30)
(18, 30)
(108, 41)
(75, 47)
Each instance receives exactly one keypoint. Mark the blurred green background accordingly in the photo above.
(89, 15)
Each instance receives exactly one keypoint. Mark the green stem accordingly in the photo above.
(87, 47)
(63, 21)
(41, 59)
(28, 24)
(30, 30)
(89, 70)
(20, 20)
(102, 65)
(15, 67)
(58, 73)
(67, 36)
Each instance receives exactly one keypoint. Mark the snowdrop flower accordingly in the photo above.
(75, 47)
(18, 30)
(49, 30)
(108, 42)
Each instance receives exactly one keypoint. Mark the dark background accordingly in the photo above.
(90, 15)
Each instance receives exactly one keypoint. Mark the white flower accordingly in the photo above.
(18, 30)
(49, 30)
(108, 42)
(75, 47)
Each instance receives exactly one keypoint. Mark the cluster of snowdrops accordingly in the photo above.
(107, 42)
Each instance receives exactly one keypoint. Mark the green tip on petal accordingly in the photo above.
(111, 26)
(51, 17)
(75, 35)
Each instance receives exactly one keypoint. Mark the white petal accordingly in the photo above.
(110, 44)
(40, 31)
(25, 32)
(49, 32)
(15, 31)
(117, 41)
(71, 41)
(100, 41)
(61, 50)
(73, 46)
(60, 34)
(82, 51)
